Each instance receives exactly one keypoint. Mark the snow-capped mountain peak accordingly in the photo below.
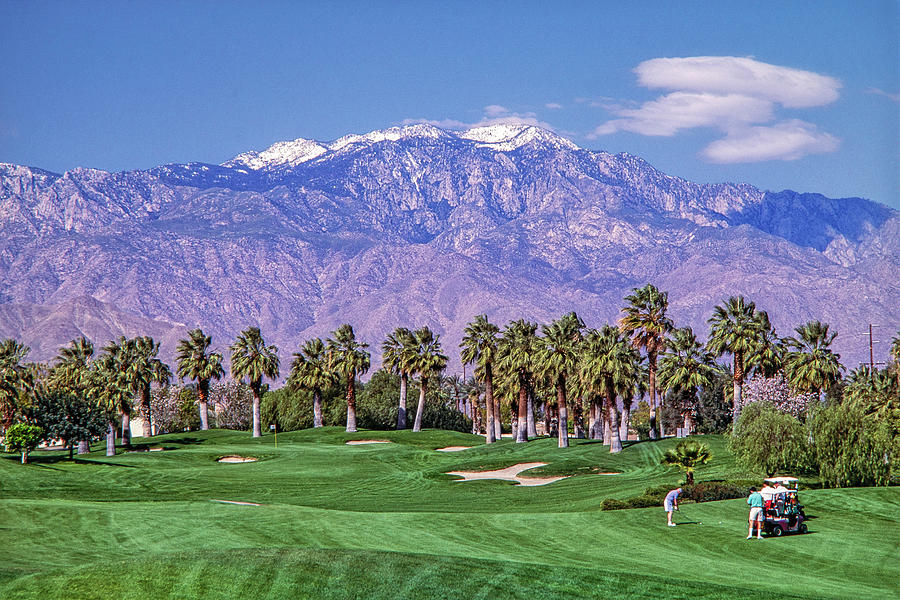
(281, 153)
(392, 134)
(510, 136)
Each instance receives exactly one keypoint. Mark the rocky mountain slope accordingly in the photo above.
(417, 225)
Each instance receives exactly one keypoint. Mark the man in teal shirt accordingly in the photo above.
(756, 513)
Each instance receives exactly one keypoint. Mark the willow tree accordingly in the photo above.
(396, 357)
(253, 359)
(427, 361)
(736, 328)
(479, 347)
(197, 363)
(647, 324)
(348, 357)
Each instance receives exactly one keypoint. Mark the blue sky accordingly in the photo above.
(797, 95)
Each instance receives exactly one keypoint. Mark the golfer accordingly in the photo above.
(756, 513)
(671, 504)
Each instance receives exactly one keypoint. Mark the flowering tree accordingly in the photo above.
(232, 401)
(776, 391)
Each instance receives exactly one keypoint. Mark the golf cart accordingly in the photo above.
(783, 511)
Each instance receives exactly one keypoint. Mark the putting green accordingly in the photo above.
(385, 521)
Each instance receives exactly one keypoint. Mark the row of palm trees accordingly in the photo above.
(604, 368)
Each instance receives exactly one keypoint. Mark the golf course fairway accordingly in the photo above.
(317, 518)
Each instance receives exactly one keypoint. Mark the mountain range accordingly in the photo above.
(418, 225)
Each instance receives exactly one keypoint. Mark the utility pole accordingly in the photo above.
(871, 351)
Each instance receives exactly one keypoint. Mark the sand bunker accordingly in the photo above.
(360, 442)
(453, 448)
(508, 474)
(237, 459)
(236, 502)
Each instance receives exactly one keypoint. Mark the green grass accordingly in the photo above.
(385, 521)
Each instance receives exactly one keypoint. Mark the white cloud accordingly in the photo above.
(792, 88)
(736, 96)
(495, 110)
(788, 140)
(553, 105)
(875, 90)
(683, 110)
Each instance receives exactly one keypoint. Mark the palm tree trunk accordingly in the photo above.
(145, 409)
(202, 394)
(489, 430)
(257, 427)
(532, 429)
(578, 418)
(547, 417)
(351, 403)
(498, 419)
(738, 390)
(615, 442)
(111, 439)
(317, 407)
(661, 400)
(417, 425)
(522, 431)
(401, 411)
(596, 429)
(651, 359)
(563, 421)
(625, 421)
(126, 429)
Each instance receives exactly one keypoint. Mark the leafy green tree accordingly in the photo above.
(397, 357)
(23, 437)
(518, 353)
(811, 365)
(428, 361)
(348, 357)
(71, 373)
(310, 371)
(736, 328)
(769, 440)
(197, 363)
(64, 416)
(253, 359)
(646, 323)
(688, 455)
(686, 366)
(479, 347)
(558, 360)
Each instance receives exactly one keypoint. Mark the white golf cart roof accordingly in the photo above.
(782, 480)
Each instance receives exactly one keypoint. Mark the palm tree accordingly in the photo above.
(479, 347)
(895, 354)
(198, 364)
(253, 359)
(14, 378)
(811, 365)
(558, 359)
(143, 368)
(768, 358)
(72, 372)
(111, 388)
(646, 323)
(685, 366)
(736, 328)
(309, 371)
(518, 356)
(427, 361)
(688, 455)
(396, 357)
(348, 357)
(610, 367)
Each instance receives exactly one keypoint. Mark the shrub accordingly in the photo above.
(644, 501)
(613, 504)
(709, 491)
